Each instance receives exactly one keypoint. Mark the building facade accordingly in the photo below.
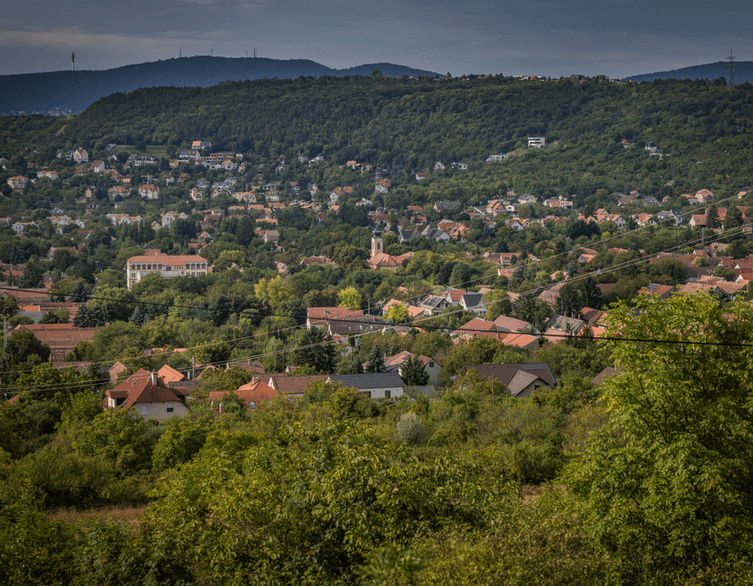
(168, 266)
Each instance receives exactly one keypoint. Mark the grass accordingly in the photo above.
(129, 515)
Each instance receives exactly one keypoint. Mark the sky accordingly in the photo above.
(553, 38)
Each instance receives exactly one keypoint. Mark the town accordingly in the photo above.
(368, 329)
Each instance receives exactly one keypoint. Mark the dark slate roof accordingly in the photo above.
(504, 373)
(472, 299)
(369, 381)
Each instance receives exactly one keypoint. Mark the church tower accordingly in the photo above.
(377, 244)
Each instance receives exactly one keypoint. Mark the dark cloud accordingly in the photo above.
(557, 37)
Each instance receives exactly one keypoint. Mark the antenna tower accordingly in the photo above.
(73, 62)
(730, 68)
(254, 52)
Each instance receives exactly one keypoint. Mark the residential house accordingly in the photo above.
(339, 192)
(384, 385)
(446, 206)
(51, 175)
(433, 305)
(80, 155)
(319, 317)
(250, 395)
(521, 380)
(61, 338)
(294, 386)
(704, 196)
(497, 158)
(559, 327)
(149, 191)
(510, 324)
(142, 392)
(383, 186)
(17, 182)
(453, 296)
(396, 362)
(167, 374)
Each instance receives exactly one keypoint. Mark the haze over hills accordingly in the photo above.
(71, 92)
(743, 72)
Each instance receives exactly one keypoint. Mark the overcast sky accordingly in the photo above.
(553, 38)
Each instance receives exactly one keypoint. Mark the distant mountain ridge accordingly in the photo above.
(743, 72)
(71, 92)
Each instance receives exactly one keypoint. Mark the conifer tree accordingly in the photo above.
(78, 294)
(376, 361)
(413, 373)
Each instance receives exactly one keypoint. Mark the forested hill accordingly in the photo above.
(71, 92)
(414, 123)
(743, 72)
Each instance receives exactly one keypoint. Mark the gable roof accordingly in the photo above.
(507, 374)
(139, 389)
(510, 324)
(167, 374)
(252, 394)
(293, 385)
(320, 315)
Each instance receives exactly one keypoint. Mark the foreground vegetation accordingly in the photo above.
(341, 489)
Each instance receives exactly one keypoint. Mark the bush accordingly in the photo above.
(410, 430)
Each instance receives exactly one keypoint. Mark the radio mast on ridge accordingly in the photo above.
(730, 68)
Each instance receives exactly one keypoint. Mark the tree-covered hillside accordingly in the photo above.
(71, 92)
(595, 129)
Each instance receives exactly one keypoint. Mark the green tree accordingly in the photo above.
(90, 316)
(316, 350)
(23, 345)
(376, 360)
(349, 297)
(569, 301)
(397, 314)
(734, 218)
(33, 274)
(413, 374)
(668, 481)
(16, 258)
(79, 293)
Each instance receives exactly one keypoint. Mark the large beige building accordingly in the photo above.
(169, 266)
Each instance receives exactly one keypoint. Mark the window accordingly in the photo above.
(144, 410)
(387, 394)
(170, 408)
(252, 404)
